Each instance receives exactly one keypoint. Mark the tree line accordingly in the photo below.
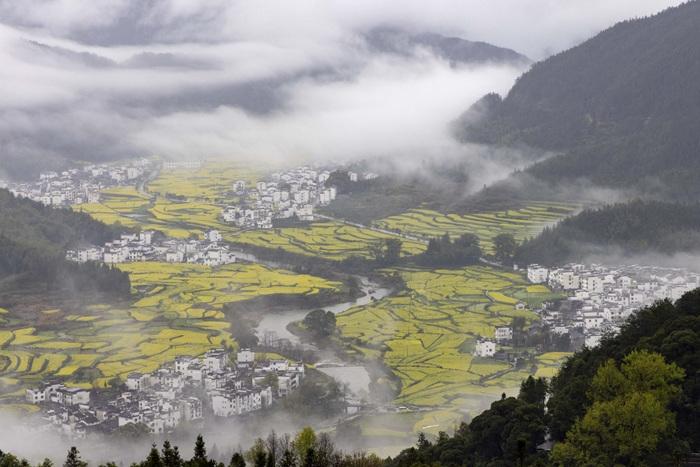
(636, 227)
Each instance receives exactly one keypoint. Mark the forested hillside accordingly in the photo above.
(638, 227)
(33, 240)
(620, 108)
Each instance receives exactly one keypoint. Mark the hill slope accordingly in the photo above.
(622, 107)
(33, 240)
(628, 228)
(453, 49)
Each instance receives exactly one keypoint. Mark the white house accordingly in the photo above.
(485, 348)
(537, 274)
(245, 356)
(214, 236)
(504, 334)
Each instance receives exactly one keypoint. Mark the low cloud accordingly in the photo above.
(253, 80)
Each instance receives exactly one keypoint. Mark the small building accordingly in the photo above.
(504, 334)
(485, 348)
(537, 274)
(245, 356)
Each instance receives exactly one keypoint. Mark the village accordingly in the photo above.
(599, 300)
(149, 245)
(289, 195)
(81, 184)
(186, 390)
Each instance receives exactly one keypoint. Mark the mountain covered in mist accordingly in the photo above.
(621, 109)
(635, 228)
(453, 49)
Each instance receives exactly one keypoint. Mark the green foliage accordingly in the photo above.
(443, 252)
(386, 252)
(33, 240)
(636, 227)
(619, 106)
(673, 331)
(73, 459)
(304, 442)
(237, 460)
(506, 434)
(320, 323)
(629, 422)
(504, 246)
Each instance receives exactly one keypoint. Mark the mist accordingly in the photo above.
(246, 81)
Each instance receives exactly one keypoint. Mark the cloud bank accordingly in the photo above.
(250, 79)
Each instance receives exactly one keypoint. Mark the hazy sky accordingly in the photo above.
(250, 79)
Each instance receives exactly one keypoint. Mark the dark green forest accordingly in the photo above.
(619, 108)
(33, 240)
(637, 227)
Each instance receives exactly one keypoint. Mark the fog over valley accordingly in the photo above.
(335, 233)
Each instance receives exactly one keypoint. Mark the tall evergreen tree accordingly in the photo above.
(73, 458)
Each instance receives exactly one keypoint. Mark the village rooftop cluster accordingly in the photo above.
(189, 389)
(149, 245)
(290, 194)
(80, 185)
(601, 298)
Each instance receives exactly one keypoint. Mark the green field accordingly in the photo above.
(331, 240)
(175, 218)
(179, 312)
(426, 335)
(211, 183)
(203, 192)
(521, 223)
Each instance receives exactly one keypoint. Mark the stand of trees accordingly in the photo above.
(320, 323)
(443, 252)
(33, 240)
(637, 227)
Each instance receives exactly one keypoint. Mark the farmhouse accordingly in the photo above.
(485, 348)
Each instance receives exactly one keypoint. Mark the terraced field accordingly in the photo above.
(179, 313)
(179, 219)
(209, 183)
(521, 223)
(426, 335)
(331, 240)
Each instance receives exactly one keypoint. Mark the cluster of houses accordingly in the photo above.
(189, 389)
(288, 194)
(601, 298)
(80, 185)
(149, 246)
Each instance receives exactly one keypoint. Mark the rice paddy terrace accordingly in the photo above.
(330, 240)
(426, 335)
(521, 223)
(179, 312)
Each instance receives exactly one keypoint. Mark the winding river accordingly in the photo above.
(356, 377)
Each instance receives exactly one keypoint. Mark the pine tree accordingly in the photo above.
(237, 460)
(153, 459)
(200, 450)
(171, 456)
(73, 458)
